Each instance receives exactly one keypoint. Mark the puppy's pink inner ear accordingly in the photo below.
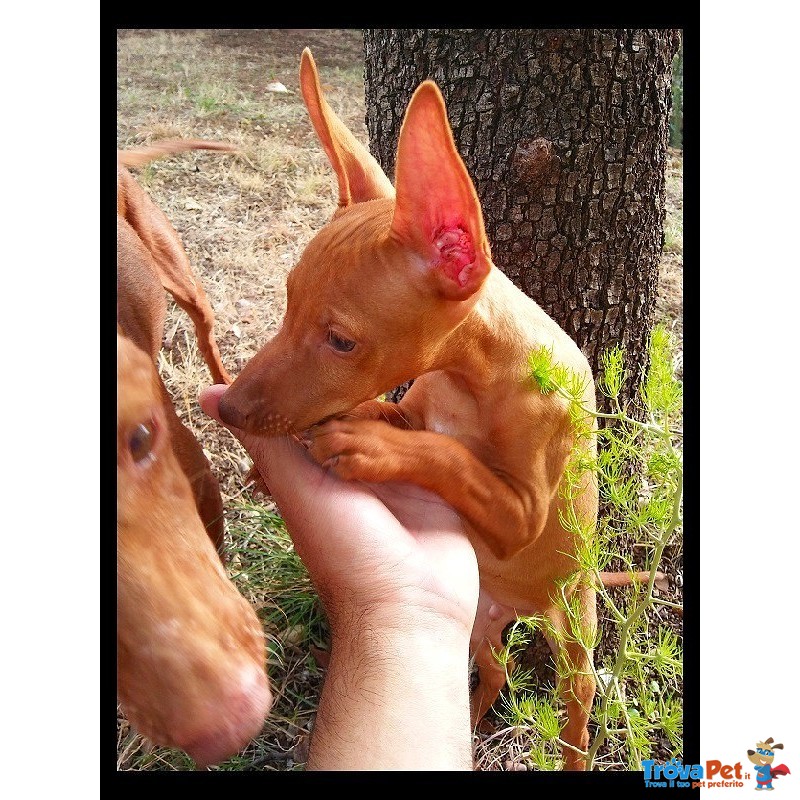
(456, 253)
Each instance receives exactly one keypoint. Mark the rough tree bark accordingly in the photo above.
(564, 133)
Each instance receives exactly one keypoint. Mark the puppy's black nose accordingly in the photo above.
(230, 413)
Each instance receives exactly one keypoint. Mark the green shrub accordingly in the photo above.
(639, 692)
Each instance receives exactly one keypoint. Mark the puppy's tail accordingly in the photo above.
(614, 579)
(140, 156)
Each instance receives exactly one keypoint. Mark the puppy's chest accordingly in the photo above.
(448, 408)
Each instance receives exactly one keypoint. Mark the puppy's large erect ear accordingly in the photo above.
(359, 174)
(437, 211)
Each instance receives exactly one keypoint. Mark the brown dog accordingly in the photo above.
(150, 259)
(190, 650)
(400, 284)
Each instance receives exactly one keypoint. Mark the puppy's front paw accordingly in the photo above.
(353, 449)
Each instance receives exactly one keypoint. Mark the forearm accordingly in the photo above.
(396, 696)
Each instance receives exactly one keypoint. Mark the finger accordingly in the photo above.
(303, 491)
(209, 401)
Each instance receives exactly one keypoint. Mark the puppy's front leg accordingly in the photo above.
(506, 518)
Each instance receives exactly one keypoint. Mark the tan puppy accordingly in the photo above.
(400, 284)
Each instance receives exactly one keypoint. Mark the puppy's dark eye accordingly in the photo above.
(339, 343)
(140, 442)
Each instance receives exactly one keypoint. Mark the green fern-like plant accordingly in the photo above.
(638, 687)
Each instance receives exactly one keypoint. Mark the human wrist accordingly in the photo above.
(396, 695)
(381, 624)
(399, 609)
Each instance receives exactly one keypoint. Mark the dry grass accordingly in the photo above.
(244, 219)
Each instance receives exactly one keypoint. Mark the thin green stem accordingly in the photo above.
(652, 657)
(618, 416)
(676, 606)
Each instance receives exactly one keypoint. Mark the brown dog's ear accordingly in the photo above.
(169, 263)
(437, 210)
(777, 747)
(359, 175)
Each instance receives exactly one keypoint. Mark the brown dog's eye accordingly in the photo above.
(340, 344)
(140, 442)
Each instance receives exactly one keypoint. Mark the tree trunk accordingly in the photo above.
(564, 133)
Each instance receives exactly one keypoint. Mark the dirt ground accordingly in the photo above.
(244, 219)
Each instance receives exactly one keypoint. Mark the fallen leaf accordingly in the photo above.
(322, 657)
(276, 86)
(294, 635)
(605, 677)
(170, 337)
(300, 751)
(661, 583)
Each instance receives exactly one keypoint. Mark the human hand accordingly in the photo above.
(387, 549)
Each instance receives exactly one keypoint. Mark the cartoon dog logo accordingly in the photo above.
(762, 757)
